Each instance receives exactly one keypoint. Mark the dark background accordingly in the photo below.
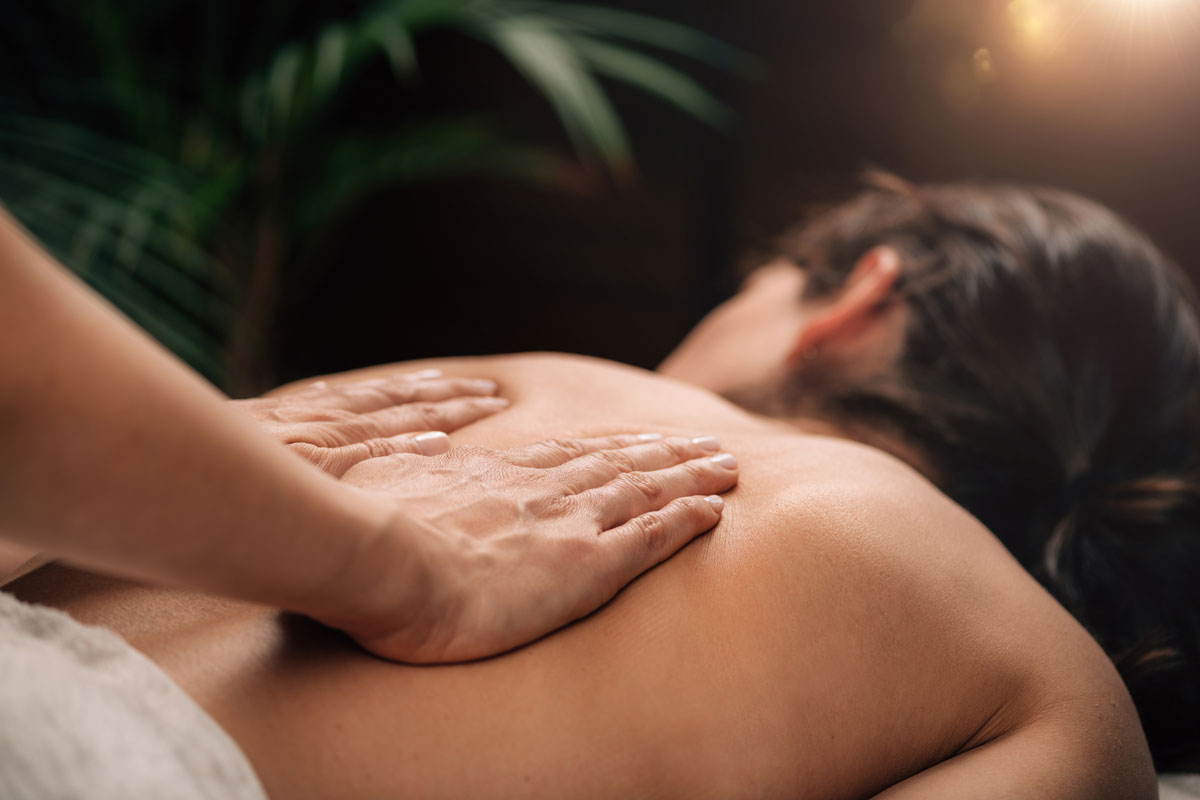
(1100, 97)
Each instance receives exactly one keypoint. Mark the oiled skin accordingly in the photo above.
(844, 627)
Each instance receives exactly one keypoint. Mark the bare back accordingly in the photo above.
(844, 627)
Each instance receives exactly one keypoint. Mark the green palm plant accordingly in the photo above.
(185, 159)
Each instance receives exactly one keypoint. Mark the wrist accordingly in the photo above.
(383, 579)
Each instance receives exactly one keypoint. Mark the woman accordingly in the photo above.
(846, 629)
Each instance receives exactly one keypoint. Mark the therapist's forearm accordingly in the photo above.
(119, 458)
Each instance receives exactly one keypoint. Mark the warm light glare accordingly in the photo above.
(1142, 5)
(1037, 25)
(1148, 13)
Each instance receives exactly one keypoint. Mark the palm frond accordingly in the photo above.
(547, 59)
(651, 76)
(357, 165)
(120, 218)
(220, 148)
(660, 33)
(560, 49)
(302, 77)
(91, 253)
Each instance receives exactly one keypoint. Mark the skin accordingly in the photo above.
(843, 629)
(131, 465)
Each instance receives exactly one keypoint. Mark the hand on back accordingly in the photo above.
(335, 426)
(513, 544)
(485, 550)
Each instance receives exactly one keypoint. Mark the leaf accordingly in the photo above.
(549, 62)
(419, 15)
(50, 207)
(660, 33)
(114, 213)
(282, 85)
(36, 138)
(396, 44)
(356, 165)
(175, 331)
(330, 62)
(93, 171)
(652, 76)
(175, 328)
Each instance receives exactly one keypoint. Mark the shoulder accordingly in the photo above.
(954, 626)
(885, 523)
(857, 491)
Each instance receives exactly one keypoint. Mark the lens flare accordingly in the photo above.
(1143, 5)
(1037, 23)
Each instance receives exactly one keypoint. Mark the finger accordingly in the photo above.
(632, 494)
(652, 537)
(553, 452)
(337, 460)
(422, 375)
(447, 415)
(333, 431)
(596, 469)
(373, 395)
(322, 385)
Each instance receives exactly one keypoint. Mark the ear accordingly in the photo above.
(850, 310)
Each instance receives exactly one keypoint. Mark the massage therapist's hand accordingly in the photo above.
(337, 426)
(500, 547)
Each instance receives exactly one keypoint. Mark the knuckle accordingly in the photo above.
(680, 449)
(402, 390)
(350, 432)
(571, 448)
(427, 414)
(643, 484)
(557, 503)
(698, 470)
(617, 459)
(311, 434)
(696, 511)
(374, 448)
(654, 531)
(395, 395)
(456, 386)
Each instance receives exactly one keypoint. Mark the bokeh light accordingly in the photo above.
(985, 68)
(1038, 24)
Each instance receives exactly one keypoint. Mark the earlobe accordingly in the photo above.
(850, 309)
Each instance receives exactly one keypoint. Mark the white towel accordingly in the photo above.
(1179, 787)
(84, 715)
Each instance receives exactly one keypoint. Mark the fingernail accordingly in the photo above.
(708, 443)
(649, 437)
(433, 443)
(715, 501)
(725, 460)
(486, 385)
(318, 385)
(426, 374)
(498, 402)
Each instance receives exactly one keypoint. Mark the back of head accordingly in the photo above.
(1051, 377)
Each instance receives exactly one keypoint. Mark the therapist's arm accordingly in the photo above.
(120, 459)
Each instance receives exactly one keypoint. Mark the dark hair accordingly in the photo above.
(1051, 376)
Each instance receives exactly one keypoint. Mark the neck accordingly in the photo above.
(771, 409)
